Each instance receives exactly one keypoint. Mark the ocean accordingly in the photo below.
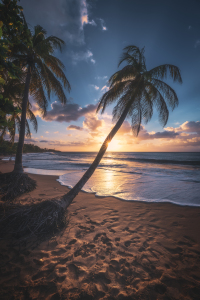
(148, 177)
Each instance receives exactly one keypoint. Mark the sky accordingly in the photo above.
(95, 33)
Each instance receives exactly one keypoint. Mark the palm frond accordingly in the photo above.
(28, 132)
(133, 56)
(17, 122)
(127, 73)
(120, 106)
(37, 91)
(159, 101)
(38, 35)
(131, 60)
(55, 65)
(32, 118)
(12, 129)
(111, 95)
(169, 93)
(41, 69)
(147, 107)
(56, 86)
(161, 72)
(55, 42)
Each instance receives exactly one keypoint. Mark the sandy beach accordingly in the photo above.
(111, 249)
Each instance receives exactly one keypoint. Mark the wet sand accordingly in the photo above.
(111, 249)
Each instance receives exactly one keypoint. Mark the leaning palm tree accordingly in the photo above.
(137, 91)
(44, 75)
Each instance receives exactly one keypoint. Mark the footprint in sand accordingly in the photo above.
(60, 279)
(102, 277)
(74, 271)
(84, 230)
(177, 250)
(114, 266)
(58, 252)
(85, 250)
(182, 243)
(72, 242)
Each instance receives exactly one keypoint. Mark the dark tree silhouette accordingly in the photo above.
(44, 74)
(137, 91)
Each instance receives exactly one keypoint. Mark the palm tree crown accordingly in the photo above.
(47, 71)
(140, 90)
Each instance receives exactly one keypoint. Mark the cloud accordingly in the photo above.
(68, 112)
(35, 108)
(29, 140)
(68, 144)
(186, 135)
(94, 86)
(105, 88)
(74, 127)
(197, 44)
(188, 126)
(43, 141)
(92, 123)
(102, 22)
(62, 18)
(84, 14)
(82, 56)
(58, 143)
(101, 77)
(124, 129)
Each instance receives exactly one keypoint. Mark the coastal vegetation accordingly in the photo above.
(13, 90)
(137, 91)
(9, 148)
(29, 64)
(12, 32)
(44, 77)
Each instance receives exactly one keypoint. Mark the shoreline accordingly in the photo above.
(56, 177)
(111, 248)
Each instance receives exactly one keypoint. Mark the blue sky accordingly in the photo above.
(95, 33)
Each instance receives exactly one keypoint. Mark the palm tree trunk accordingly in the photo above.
(68, 198)
(18, 168)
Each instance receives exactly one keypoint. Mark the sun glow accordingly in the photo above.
(114, 146)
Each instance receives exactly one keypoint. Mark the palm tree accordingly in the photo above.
(44, 75)
(14, 122)
(137, 92)
(13, 90)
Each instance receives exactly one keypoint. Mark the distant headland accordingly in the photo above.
(8, 148)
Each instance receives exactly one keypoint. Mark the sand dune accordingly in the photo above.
(111, 249)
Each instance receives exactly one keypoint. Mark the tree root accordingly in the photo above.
(15, 184)
(37, 222)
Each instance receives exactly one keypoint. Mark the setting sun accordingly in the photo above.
(114, 146)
